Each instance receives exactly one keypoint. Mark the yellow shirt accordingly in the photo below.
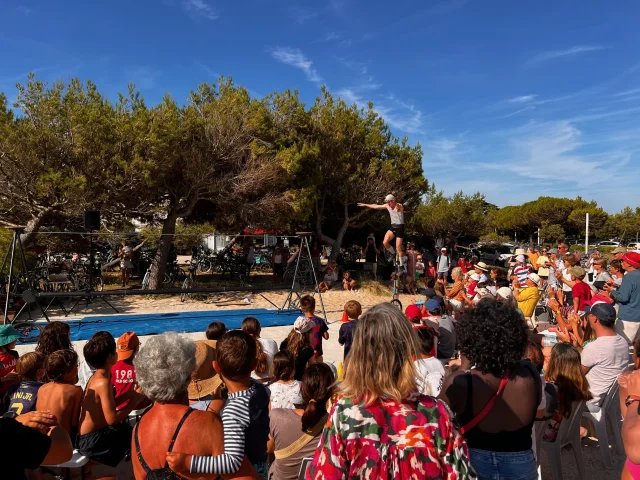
(527, 300)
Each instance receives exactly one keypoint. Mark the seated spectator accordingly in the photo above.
(430, 369)
(204, 388)
(471, 284)
(353, 310)
(55, 336)
(330, 277)
(8, 358)
(348, 283)
(104, 436)
(299, 344)
(456, 294)
(215, 331)
(528, 296)
(446, 329)
(606, 357)
(409, 284)
(266, 348)
(492, 338)
(285, 390)
(163, 368)
(34, 439)
(123, 373)
(24, 395)
(414, 315)
(60, 396)
(379, 412)
(295, 432)
(565, 375)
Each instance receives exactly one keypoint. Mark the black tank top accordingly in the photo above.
(164, 473)
(505, 441)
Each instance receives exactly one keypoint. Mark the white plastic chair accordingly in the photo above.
(134, 415)
(568, 434)
(609, 411)
(78, 460)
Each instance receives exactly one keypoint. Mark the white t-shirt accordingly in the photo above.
(397, 218)
(567, 276)
(269, 346)
(606, 358)
(443, 264)
(430, 376)
(285, 395)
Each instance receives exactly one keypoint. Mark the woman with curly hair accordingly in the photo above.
(496, 401)
(55, 336)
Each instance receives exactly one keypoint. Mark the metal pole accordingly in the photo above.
(586, 236)
(315, 278)
(538, 235)
(13, 252)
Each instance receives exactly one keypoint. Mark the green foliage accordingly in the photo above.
(597, 218)
(551, 232)
(494, 238)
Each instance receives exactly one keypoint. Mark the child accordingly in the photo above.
(216, 330)
(472, 284)
(285, 390)
(103, 436)
(60, 395)
(8, 358)
(123, 373)
(431, 269)
(348, 283)
(353, 310)
(23, 396)
(299, 344)
(419, 267)
(581, 291)
(429, 368)
(245, 417)
(320, 330)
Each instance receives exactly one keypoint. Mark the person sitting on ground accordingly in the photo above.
(306, 420)
(413, 313)
(580, 291)
(245, 417)
(492, 338)
(330, 276)
(348, 283)
(205, 387)
(528, 296)
(215, 331)
(446, 329)
(430, 369)
(123, 373)
(285, 390)
(264, 360)
(380, 425)
(409, 284)
(566, 376)
(59, 395)
(103, 434)
(24, 395)
(456, 294)
(299, 344)
(353, 309)
(320, 329)
(164, 367)
(8, 359)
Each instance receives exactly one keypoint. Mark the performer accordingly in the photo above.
(396, 212)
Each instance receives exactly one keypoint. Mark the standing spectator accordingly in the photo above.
(552, 265)
(493, 338)
(580, 291)
(320, 329)
(617, 272)
(520, 271)
(600, 276)
(627, 296)
(533, 256)
(606, 357)
(295, 432)
(370, 253)
(250, 255)
(125, 254)
(123, 373)
(540, 265)
(419, 266)
(353, 309)
(430, 369)
(24, 395)
(285, 390)
(444, 264)
(8, 358)
(619, 253)
(380, 426)
(564, 277)
(412, 255)
(280, 257)
(316, 253)
(431, 270)
(446, 329)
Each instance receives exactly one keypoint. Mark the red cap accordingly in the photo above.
(598, 299)
(412, 311)
(632, 258)
(127, 344)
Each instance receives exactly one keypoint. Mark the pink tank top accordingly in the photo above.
(633, 469)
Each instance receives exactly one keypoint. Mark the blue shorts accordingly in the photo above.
(504, 465)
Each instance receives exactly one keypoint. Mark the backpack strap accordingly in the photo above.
(304, 439)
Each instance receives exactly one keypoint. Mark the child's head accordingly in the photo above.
(251, 326)
(30, 366)
(577, 273)
(127, 346)
(427, 339)
(216, 330)
(284, 366)
(346, 275)
(8, 337)
(534, 354)
(353, 309)
(62, 367)
(316, 389)
(235, 355)
(565, 369)
(100, 351)
(308, 304)
(431, 263)
(54, 336)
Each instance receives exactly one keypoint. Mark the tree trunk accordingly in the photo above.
(33, 225)
(159, 263)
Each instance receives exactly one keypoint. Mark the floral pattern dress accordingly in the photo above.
(415, 439)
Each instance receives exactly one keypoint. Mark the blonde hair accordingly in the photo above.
(457, 273)
(380, 362)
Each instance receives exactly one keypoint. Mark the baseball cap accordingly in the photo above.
(412, 311)
(603, 311)
(534, 278)
(577, 272)
(619, 250)
(127, 344)
(553, 250)
(632, 258)
(303, 325)
(520, 258)
(389, 198)
(432, 305)
(443, 249)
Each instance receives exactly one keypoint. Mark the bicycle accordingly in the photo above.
(189, 282)
(395, 290)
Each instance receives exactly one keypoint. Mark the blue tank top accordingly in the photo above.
(23, 399)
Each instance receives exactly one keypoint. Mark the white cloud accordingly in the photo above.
(295, 58)
(569, 52)
(633, 91)
(200, 8)
(302, 14)
(332, 36)
(522, 99)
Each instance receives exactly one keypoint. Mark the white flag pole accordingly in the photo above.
(586, 236)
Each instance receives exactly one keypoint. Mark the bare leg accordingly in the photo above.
(399, 248)
(387, 243)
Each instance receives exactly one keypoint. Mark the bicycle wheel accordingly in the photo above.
(186, 285)
(205, 265)
(29, 331)
(145, 281)
(397, 303)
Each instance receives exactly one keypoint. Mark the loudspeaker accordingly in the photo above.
(92, 220)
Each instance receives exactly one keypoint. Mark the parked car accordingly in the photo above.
(608, 243)
(495, 253)
(633, 246)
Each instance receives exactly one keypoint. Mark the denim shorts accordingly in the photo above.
(504, 465)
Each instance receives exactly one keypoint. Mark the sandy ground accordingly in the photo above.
(334, 303)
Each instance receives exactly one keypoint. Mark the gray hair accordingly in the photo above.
(164, 366)
(457, 273)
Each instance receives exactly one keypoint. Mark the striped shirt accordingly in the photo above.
(521, 271)
(243, 411)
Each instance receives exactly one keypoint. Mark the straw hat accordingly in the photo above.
(204, 380)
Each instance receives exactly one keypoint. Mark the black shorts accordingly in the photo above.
(278, 268)
(108, 446)
(397, 230)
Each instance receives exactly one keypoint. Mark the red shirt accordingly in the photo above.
(581, 291)
(8, 361)
(123, 375)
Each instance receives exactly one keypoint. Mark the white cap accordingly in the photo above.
(520, 258)
(389, 198)
(534, 278)
(505, 292)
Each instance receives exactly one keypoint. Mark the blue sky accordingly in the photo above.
(513, 99)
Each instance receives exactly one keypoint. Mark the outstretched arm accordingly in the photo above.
(372, 206)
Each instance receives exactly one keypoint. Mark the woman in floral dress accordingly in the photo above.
(380, 426)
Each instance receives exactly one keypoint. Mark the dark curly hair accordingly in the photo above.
(493, 336)
(55, 336)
